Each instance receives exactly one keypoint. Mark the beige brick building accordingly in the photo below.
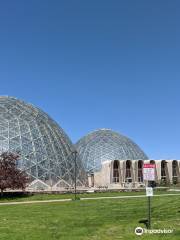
(129, 173)
(115, 161)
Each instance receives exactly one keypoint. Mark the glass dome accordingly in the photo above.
(104, 145)
(44, 148)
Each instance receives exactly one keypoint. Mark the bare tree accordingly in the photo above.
(10, 176)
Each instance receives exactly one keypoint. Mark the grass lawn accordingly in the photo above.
(90, 219)
(83, 195)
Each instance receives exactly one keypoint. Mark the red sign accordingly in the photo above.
(149, 172)
(148, 165)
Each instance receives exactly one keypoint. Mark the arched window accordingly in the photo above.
(152, 162)
(153, 183)
(140, 171)
(116, 171)
(164, 171)
(128, 176)
(175, 172)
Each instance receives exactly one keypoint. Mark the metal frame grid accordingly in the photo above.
(106, 145)
(44, 148)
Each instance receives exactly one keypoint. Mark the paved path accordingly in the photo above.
(36, 201)
(92, 198)
(131, 196)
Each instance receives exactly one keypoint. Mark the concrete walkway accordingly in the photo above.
(35, 201)
(131, 196)
(92, 198)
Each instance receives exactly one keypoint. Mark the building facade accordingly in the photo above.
(129, 174)
(115, 161)
(101, 159)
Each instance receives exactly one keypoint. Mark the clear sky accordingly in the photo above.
(97, 64)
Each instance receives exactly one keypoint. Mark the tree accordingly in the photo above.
(10, 176)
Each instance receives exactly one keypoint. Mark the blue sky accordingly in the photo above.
(97, 64)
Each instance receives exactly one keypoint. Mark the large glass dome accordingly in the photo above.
(104, 145)
(44, 148)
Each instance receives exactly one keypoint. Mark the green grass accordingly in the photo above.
(71, 196)
(107, 219)
(66, 196)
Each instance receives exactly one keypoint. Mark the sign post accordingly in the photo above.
(149, 175)
(149, 194)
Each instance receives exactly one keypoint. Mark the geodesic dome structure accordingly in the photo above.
(44, 148)
(106, 145)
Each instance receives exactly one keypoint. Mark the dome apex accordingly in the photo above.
(104, 145)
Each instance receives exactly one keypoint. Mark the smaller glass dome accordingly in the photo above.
(105, 145)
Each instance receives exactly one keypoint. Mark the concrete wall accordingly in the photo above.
(104, 178)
